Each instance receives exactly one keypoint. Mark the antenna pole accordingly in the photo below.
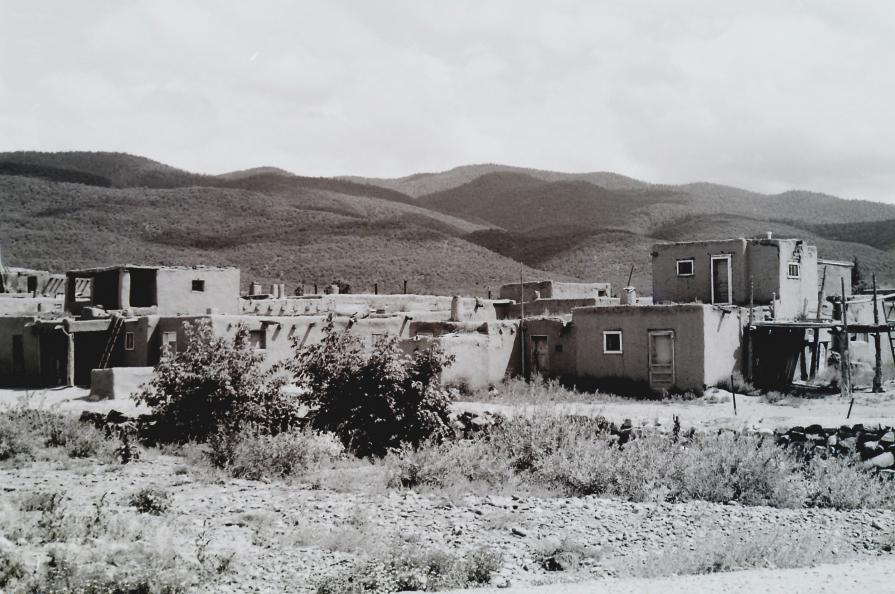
(522, 316)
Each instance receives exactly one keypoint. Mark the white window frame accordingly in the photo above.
(691, 261)
(621, 344)
(128, 341)
(167, 340)
(798, 273)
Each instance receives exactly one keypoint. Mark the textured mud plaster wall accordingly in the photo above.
(176, 297)
(836, 273)
(723, 343)
(635, 323)
(560, 346)
(484, 354)
(18, 326)
(551, 307)
(118, 382)
(27, 305)
(547, 289)
(669, 287)
(431, 306)
(796, 296)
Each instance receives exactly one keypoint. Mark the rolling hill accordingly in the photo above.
(463, 230)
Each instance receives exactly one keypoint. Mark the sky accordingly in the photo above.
(767, 95)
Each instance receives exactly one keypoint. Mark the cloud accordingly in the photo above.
(765, 95)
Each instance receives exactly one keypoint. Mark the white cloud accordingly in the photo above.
(766, 95)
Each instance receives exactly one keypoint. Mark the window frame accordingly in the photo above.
(621, 344)
(200, 282)
(798, 273)
(129, 341)
(166, 340)
(691, 261)
(262, 333)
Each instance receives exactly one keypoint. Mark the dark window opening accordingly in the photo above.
(685, 267)
(32, 284)
(258, 339)
(612, 342)
(129, 341)
(198, 285)
(143, 288)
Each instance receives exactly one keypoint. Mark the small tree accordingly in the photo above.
(376, 402)
(216, 382)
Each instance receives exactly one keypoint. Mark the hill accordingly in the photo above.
(295, 235)
(421, 184)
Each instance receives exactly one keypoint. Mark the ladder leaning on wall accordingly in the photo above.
(114, 330)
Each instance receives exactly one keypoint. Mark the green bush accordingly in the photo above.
(215, 382)
(377, 402)
(24, 431)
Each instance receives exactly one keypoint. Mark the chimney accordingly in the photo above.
(770, 235)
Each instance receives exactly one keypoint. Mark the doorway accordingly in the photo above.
(721, 291)
(540, 356)
(661, 358)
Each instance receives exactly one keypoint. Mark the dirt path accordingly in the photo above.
(715, 410)
(877, 575)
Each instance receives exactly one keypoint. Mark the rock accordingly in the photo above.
(884, 460)
(888, 437)
(500, 582)
(518, 531)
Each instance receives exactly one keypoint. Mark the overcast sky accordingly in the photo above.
(767, 95)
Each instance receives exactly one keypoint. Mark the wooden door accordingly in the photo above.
(540, 355)
(661, 358)
(721, 292)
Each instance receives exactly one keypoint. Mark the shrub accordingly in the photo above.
(844, 484)
(23, 431)
(256, 456)
(151, 500)
(215, 381)
(11, 566)
(448, 464)
(376, 402)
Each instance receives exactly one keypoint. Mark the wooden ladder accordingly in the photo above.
(114, 330)
(889, 323)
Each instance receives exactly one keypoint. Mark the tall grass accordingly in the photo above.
(578, 458)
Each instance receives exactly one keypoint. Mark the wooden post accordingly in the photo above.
(70, 360)
(522, 315)
(489, 294)
(815, 346)
(733, 393)
(878, 363)
(376, 288)
(843, 349)
(315, 288)
(630, 276)
(749, 329)
(405, 286)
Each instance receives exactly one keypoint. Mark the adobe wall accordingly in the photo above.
(561, 346)
(176, 297)
(118, 382)
(635, 322)
(836, 272)
(436, 306)
(548, 289)
(12, 326)
(723, 343)
(797, 297)
(482, 358)
(550, 307)
(23, 304)
(668, 287)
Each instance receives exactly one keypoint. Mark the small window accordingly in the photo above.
(128, 341)
(685, 267)
(169, 341)
(612, 342)
(199, 286)
(258, 339)
(794, 270)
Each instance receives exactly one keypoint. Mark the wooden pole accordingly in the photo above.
(815, 346)
(376, 288)
(843, 350)
(630, 276)
(878, 363)
(749, 329)
(405, 286)
(733, 393)
(522, 316)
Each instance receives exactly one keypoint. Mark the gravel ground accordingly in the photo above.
(282, 534)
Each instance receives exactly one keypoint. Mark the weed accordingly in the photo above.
(563, 554)
(151, 500)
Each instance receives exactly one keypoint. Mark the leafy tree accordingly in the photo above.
(215, 383)
(373, 402)
(858, 282)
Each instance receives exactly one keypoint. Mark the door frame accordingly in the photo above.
(532, 355)
(729, 279)
(649, 354)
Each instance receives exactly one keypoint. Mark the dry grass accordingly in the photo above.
(776, 548)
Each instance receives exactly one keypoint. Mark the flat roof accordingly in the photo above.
(86, 271)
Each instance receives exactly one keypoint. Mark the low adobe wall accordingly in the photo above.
(118, 382)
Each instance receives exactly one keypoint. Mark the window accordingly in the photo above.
(685, 267)
(258, 339)
(199, 286)
(793, 270)
(169, 341)
(128, 341)
(612, 342)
